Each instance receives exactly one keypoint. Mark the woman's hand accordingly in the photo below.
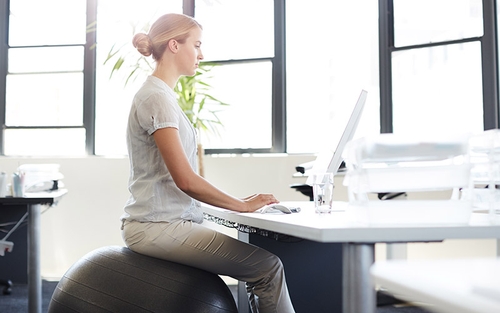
(257, 201)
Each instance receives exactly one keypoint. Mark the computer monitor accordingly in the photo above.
(326, 162)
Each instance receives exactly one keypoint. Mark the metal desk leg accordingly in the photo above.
(34, 274)
(358, 292)
(396, 251)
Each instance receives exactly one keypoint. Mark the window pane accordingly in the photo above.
(48, 22)
(44, 100)
(44, 142)
(112, 109)
(55, 59)
(438, 90)
(242, 29)
(426, 21)
(247, 120)
(326, 72)
(113, 97)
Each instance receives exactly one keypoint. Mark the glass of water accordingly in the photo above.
(323, 192)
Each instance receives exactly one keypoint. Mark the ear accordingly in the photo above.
(173, 45)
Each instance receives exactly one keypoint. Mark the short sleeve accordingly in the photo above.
(158, 111)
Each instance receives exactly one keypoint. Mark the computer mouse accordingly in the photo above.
(275, 208)
(281, 208)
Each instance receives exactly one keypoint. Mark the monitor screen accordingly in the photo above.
(329, 161)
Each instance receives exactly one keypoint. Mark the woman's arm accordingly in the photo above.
(169, 144)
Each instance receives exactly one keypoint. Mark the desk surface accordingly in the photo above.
(49, 197)
(454, 286)
(337, 226)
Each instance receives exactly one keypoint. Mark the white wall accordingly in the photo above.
(88, 216)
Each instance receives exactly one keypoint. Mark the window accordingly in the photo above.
(427, 21)
(247, 121)
(438, 66)
(439, 87)
(331, 56)
(243, 48)
(283, 66)
(44, 80)
(250, 74)
(322, 60)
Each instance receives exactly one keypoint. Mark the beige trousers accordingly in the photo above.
(195, 245)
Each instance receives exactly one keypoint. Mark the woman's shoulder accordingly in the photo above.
(151, 92)
(154, 83)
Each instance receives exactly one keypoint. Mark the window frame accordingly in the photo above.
(489, 59)
(88, 120)
(89, 88)
(4, 27)
(278, 106)
(489, 52)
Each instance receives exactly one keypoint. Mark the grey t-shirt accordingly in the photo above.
(153, 194)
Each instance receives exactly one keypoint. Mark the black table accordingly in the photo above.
(33, 203)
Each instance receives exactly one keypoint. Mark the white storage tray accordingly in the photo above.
(410, 212)
(399, 179)
(399, 148)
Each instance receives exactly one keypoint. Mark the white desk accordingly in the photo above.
(449, 286)
(33, 204)
(358, 240)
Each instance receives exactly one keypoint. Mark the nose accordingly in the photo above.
(200, 55)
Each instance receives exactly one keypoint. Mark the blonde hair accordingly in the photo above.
(169, 26)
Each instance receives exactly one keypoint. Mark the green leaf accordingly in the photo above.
(117, 66)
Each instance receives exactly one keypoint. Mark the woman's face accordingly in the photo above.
(191, 52)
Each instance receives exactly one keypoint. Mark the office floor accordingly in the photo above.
(17, 302)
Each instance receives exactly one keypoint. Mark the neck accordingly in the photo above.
(167, 74)
(170, 81)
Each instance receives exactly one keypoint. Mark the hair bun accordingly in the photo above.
(143, 44)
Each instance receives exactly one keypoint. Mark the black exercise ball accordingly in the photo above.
(116, 279)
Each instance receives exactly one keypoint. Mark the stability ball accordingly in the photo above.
(116, 279)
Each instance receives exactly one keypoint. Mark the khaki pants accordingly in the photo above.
(195, 245)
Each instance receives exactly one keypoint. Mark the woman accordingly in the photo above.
(163, 216)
